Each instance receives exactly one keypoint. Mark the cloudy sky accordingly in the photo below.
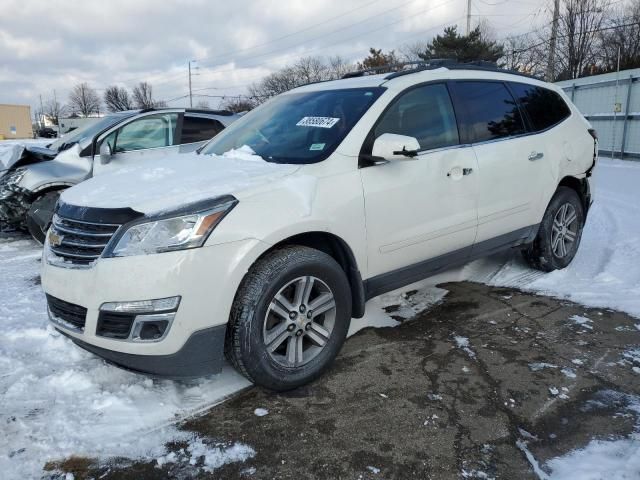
(48, 45)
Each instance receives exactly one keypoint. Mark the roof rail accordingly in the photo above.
(222, 113)
(395, 70)
(481, 65)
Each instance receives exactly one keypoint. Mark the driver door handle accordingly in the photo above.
(535, 155)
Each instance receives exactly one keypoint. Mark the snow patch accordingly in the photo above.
(463, 343)
(260, 412)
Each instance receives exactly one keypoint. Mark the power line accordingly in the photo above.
(348, 38)
(293, 33)
(582, 33)
(347, 27)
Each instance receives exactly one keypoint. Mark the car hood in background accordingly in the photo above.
(157, 185)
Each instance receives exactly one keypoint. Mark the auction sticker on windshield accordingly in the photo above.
(322, 122)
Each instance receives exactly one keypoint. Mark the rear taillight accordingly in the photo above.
(593, 133)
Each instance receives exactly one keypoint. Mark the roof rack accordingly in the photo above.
(222, 113)
(407, 68)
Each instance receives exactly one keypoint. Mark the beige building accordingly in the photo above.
(15, 121)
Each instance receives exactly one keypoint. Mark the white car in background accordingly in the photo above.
(265, 244)
(34, 179)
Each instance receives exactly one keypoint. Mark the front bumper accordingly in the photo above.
(202, 354)
(205, 278)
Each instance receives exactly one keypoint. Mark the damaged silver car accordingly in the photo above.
(32, 179)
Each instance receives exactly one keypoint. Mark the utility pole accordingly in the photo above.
(468, 16)
(552, 44)
(190, 94)
(41, 117)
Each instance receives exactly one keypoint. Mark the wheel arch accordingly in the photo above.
(341, 252)
(580, 186)
(50, 187)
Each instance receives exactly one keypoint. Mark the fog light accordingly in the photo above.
(142, 306)
(151, 328)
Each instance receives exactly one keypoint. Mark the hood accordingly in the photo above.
(154, 186)
(16, 154)
(9, 155)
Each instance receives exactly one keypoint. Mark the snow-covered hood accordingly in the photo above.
(9, 155)
(157, 185)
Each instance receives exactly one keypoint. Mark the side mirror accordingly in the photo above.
(105, 153)
(390, 146)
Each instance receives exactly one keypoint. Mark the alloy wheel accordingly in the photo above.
(299, 321)
(564, 230)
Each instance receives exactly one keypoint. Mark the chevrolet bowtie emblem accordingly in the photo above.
(55, 239)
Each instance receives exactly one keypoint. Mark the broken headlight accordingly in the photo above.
(10, 181)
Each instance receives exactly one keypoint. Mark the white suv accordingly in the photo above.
(266, 243)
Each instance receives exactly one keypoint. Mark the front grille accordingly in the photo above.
(79, 242)
(114, 325)
(71, 314)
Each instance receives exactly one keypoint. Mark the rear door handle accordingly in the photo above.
(535, 155)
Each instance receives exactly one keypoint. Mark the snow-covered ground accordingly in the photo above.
(57, 400)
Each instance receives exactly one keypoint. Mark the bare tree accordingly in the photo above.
(410, 52)
(117, 99)
(237, 104)
(202, 105)
(525, 54)
(623, 33)
(84, 100)
(53, 110)
(579, 23)
(310, 69)
(143, 95)
(338, 67)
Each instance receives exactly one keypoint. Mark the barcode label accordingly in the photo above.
(321, 122)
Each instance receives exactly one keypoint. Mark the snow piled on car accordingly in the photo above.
(156, 185)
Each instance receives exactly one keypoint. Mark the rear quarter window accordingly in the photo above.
(545, 108)
(199, 129)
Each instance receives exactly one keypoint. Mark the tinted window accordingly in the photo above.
(199, 129)
(544, 107)
(297, 128)
(153, 131)
(425, 113)
(487, 110)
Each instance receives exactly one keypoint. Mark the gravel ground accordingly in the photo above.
(490, 383)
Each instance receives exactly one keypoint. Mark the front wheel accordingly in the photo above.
(40, 215)
(289, 319)
(559, 234)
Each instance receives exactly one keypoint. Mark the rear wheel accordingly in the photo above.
(40, 215)
(289, 319)
(560, 232)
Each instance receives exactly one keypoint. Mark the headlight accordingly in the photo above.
(170, 233)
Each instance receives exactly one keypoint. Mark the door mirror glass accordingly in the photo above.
(105, 152)
(390, 146)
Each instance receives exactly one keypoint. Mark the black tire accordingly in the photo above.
(540, 254)
(245, 342)
(40, 215)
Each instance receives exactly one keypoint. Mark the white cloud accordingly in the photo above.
(52, 44)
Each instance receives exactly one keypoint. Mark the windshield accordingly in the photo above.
(298, 127)
(87, 132)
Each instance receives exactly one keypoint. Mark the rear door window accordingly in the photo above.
(544, 107)
(199, 129)
(425, 113)
(486, 111)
